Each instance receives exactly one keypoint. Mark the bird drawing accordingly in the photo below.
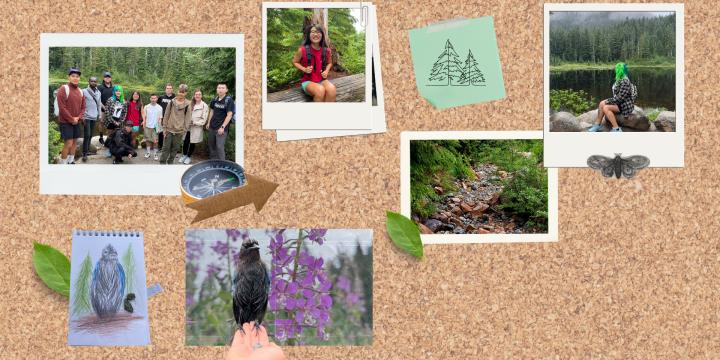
(251, 286)
(108, 284)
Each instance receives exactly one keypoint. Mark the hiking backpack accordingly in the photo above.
(56, 108)
(309, 56)
(225, 99)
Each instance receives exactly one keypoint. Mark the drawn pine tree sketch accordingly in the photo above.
(448, 70)
(471, 74)
(81, 303)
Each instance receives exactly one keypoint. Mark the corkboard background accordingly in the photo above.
(634, 275)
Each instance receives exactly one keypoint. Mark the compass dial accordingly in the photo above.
(212, 177)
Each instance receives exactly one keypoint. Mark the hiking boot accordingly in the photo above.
(595, 128)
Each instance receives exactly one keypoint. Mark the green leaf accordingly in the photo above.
(53, 267)
(405, 234)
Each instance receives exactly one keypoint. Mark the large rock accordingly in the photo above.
(586, 120)
(665, 121)
(637, 121)
(424, 229)
(433, 225)
(564, 122)
(79, 149)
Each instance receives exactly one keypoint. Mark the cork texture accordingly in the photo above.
(634, 274)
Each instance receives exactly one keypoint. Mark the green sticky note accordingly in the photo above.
(457, 63)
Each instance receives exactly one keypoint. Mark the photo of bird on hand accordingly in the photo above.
(277, 287)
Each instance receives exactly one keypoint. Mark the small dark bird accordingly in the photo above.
(251, 286)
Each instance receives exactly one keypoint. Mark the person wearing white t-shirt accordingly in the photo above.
(151, 115)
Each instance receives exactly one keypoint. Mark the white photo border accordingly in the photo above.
(156, 179)
(571, 149)
(407, 136)
(284, 115)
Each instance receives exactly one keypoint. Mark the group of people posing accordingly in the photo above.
(170, 123)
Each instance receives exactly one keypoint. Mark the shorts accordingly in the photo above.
(136, 128)
(305, 84)
(69, 131)
(150, 134)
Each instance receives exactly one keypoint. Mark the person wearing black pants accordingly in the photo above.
(164, 100)
(93, 109)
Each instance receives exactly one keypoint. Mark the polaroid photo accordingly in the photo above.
(478, 186)
(137, 109)
(614, 83)
(305, 287)
(316, 53)
(378, 100)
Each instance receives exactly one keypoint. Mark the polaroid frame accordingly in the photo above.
(379, 124)
(284, 115)
(158, 179)
(572, 149)
(407, 136)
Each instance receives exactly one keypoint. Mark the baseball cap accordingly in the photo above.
(74, 71)
(107, 74)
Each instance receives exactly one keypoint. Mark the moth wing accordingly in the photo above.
(605, 164)
(631, 164)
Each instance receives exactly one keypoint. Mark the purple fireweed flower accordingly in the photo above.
(221, 248)
(212, 270)
(299, 286)
(193, 249)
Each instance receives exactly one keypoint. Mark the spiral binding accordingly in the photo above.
(108, 233)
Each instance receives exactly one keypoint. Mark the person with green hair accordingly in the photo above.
(623, 100)
(115, 109)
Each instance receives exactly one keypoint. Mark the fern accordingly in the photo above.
(81, 297)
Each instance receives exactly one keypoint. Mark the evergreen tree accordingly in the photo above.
(471, 74)
(128, 263)
(448, 67)
(81, 298)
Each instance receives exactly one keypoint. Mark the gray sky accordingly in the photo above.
(597, 17)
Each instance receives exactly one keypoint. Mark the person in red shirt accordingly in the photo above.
(71, 106)
(134, 109)
(314, 59)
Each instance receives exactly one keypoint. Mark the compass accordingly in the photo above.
(209, 178)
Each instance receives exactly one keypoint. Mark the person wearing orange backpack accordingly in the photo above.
(71, 108)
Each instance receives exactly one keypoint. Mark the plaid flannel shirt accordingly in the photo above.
(624, 96)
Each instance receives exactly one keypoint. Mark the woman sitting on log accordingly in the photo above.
(314, 59)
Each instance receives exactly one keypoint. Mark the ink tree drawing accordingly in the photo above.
(471, 74)
(103, 293)
(449, 70)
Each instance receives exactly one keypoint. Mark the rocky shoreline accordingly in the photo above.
(637, 121)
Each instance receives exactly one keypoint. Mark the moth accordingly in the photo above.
(619, 166)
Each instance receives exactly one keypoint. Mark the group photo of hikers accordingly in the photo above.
(141, 105)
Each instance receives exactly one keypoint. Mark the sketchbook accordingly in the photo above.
(108, 297)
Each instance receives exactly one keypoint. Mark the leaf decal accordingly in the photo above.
(405, 234)
(53, 267)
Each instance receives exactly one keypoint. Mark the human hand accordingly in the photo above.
(308, 69)
(325, 74)
(253, 344)
(221, 131)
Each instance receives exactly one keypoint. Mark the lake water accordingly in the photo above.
(656, 87)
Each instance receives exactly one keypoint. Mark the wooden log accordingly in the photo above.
(349, 89)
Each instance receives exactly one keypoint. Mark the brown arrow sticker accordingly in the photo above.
(215, 186)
